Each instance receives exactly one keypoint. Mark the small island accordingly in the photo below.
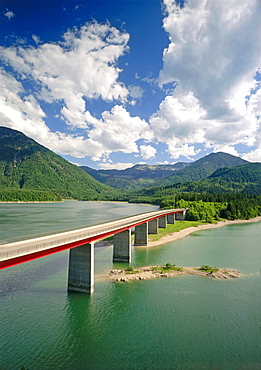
(169, 270)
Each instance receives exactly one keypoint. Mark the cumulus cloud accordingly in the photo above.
(253, 156)
(118, 131)
(213, 56)
(147, 151)
(226, 149)
(115, 166)
(82, 66)
(23, 113)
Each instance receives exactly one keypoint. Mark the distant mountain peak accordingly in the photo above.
(203, 168)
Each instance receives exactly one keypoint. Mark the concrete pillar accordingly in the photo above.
(122, 247)
(81, 269)
(181, 216)
(163, 222)
(153, 226)
(171, 218)
(141, 234)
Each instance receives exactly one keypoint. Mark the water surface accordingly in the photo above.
(186, 322)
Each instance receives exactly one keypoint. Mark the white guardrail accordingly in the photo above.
(35, 244)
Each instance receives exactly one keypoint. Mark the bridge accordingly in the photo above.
(80, 242)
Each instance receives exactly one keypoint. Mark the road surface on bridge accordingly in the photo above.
(13, 253)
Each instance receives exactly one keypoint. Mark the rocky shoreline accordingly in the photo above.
(152, 272)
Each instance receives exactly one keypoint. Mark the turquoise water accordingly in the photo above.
(185, 322)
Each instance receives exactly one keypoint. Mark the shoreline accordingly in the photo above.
(182, 233)
(32, 201)
(176, 235)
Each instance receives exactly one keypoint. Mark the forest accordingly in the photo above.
(208, 207)
(24, 195)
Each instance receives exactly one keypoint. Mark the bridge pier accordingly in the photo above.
(181, 216)
(171, 218)
(81, 269)
(122, 246)
(163, 222)
(153, 226)
(141, 234)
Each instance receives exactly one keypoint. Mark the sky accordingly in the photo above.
(110, 84)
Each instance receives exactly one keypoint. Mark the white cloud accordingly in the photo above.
(115, 166)
(147, 151)
(135, 92)
(183, 150)
(36, 39)
(213, 55)
(23, 113)
(81, 67)
(117, 131)
(178, 123)
(226, 149)
(253, 156)
(9, 14)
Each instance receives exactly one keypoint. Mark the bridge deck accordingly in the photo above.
(26, 250)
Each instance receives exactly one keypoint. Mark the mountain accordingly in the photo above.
(25, 164)
(202, 168)
(144, 176)
(136, 177)
(245, 179)
(240, 184)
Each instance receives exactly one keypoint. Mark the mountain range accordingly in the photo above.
(144, 176)
(27, 165)
(136, 177)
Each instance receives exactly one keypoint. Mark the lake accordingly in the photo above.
(185, 322)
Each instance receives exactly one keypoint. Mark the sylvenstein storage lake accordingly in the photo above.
(183, 322)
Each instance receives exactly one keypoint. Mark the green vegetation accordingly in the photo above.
(25, 164)
(203, 168)
(166, 268)
(207, 268)
(136, 177)
(171, 228)
(207, 207)
(130, 270)
(23, 195)
(143, 175)
(31, 172)
(244, 179)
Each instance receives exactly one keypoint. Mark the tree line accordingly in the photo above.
(24, 195)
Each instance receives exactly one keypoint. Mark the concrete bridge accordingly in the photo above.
(81, 244)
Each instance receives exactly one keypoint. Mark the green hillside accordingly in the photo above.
(247, 173)
(143, 176)
(25, 164)
(244, 179)
(202, 168)
(231, 193)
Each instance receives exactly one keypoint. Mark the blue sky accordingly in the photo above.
(110, 84)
